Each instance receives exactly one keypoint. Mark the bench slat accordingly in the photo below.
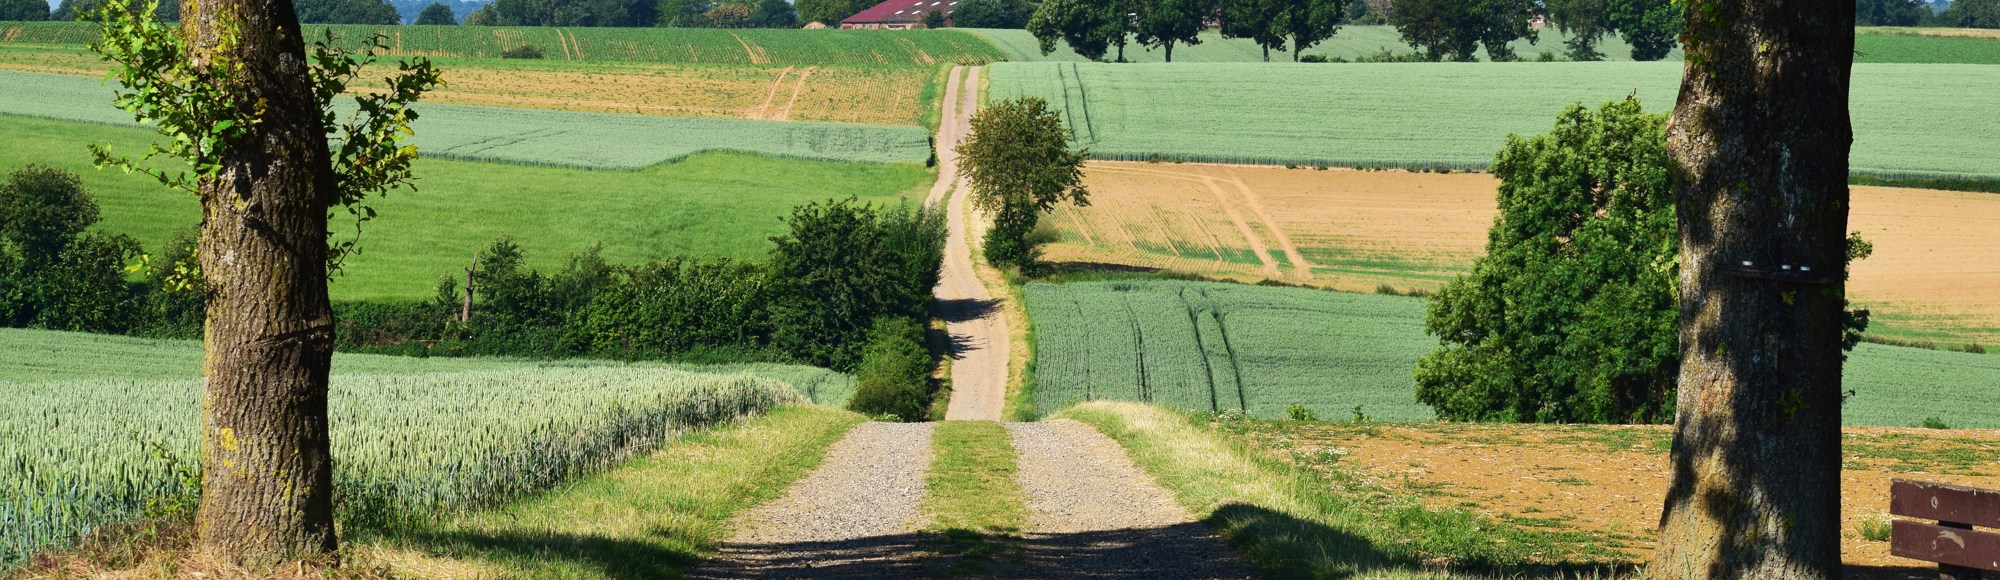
(1934, 543)
(1945, 503)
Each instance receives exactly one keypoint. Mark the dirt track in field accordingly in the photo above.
(1936, 266)
(973, 316)
(1613, 479)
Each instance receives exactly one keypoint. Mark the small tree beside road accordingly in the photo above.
(1020, 164)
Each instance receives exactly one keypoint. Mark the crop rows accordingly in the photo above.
(1352, 42)
(1211, 347)
(924, 48)
(1910, 120)
(1208, 346)
(541, 137)
(83, 453)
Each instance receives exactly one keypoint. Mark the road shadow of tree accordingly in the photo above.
(1285, 546)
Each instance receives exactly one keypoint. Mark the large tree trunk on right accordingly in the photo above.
(1760, 143)
(267, 481)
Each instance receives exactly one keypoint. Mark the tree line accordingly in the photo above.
(1438, 29)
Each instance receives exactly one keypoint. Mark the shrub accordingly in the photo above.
(1313, 58)
(1299, 412)
(1874, 528)
(1932, 423)
(844, 264)
(1974, 348)
(525, 51)
(895, 375)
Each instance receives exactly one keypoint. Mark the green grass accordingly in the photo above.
(38, 356)
(407, 446)
(973, 496)
(1350, 43)
(715, 205)
(538, 137)
(1909, 120)
(655, 45)
(1300, 515)
(1183, 345)
(652, 517)
(1911, 48)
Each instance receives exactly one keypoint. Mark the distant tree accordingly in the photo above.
(1310, 22)
(829, 12)
(575, 12)
(1651, 27)
(87, 9)
(1020, 165)
(1570, 316)
(347, 12)
(54, 273)
(1971, 14)
(481, 16)
(1256, 20)
(1166, 23)
(683, 13)
(774, 14)
(1586, 22)
(1089, 27)
(934, 19)
(993, 13)
(437, 14)
(24, 10)
(729, 15)
(1891, 12)
(1456, 29)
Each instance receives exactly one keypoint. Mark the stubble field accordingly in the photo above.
(1935, 274)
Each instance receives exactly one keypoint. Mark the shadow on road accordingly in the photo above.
(967, 309)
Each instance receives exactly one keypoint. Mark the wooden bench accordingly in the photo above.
(1960, 552)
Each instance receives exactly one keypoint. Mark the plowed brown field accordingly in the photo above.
(1612, 479)
(1935, 273)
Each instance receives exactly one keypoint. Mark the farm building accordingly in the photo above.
(899, 14)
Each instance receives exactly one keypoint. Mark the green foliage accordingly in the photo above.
(53, 273)
(1891, 12)
(894, 378)
(1970, 14)
(1651, 27)
(24, 10)
(1874, 528)
(1353, 42)
(437, 14)
(683, 13)
(829, 12)
(1932, 423)
(70, 10)
(1298, 412)
(1166, 23)
(1570, 317)
(934, 19)
(1020, 164)
(993, 13)
(1211, 347)
(1090, 28)
(1222, 112)
(346, 12)
(417, 447)
(842, 266)
(774, 14)
(566, 13)
(1456, 29)
(525, 51)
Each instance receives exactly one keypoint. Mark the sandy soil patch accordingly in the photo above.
(1612, 480)
(1936, 269)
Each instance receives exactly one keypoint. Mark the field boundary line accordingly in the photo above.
(785, 114)
(1300, 268)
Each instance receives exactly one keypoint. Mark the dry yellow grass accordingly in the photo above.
(865, 95)
(1935, 272)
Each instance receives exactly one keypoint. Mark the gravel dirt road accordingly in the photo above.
(979, 339)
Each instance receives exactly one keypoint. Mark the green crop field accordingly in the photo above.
(1350, 43)
(425, 446)
(711, 205)
(1213, 346)
(1874, 47)
(540, 137)
(655, 45)
(1910, 120)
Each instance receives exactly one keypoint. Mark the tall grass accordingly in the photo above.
(407, 447)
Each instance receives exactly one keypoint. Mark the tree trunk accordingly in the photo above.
(1760, 144)
(267, 481)
(1267, 54)
(1170, 50)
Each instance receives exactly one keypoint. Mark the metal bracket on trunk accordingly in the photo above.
(1784, 274)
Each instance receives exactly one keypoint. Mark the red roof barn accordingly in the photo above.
(899, 14)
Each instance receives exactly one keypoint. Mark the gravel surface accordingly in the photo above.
(853, 517)
(973, 316)
(1093, 514)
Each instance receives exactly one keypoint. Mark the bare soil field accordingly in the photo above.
(1611, 480)
(1935, 273)
(843, 94)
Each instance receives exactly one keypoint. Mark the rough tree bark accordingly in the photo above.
(1760, 142)
(267, 482)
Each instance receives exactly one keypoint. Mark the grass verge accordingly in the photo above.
(1291, 520)
(653, 517)
(975, 501)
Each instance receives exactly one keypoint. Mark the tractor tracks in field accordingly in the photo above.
(1236, 197)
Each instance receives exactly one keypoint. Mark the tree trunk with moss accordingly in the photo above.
(267, 482)
(1760, 142)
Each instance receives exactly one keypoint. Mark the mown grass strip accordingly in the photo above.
(1292, 522)
(975, 501)
(653, 517)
